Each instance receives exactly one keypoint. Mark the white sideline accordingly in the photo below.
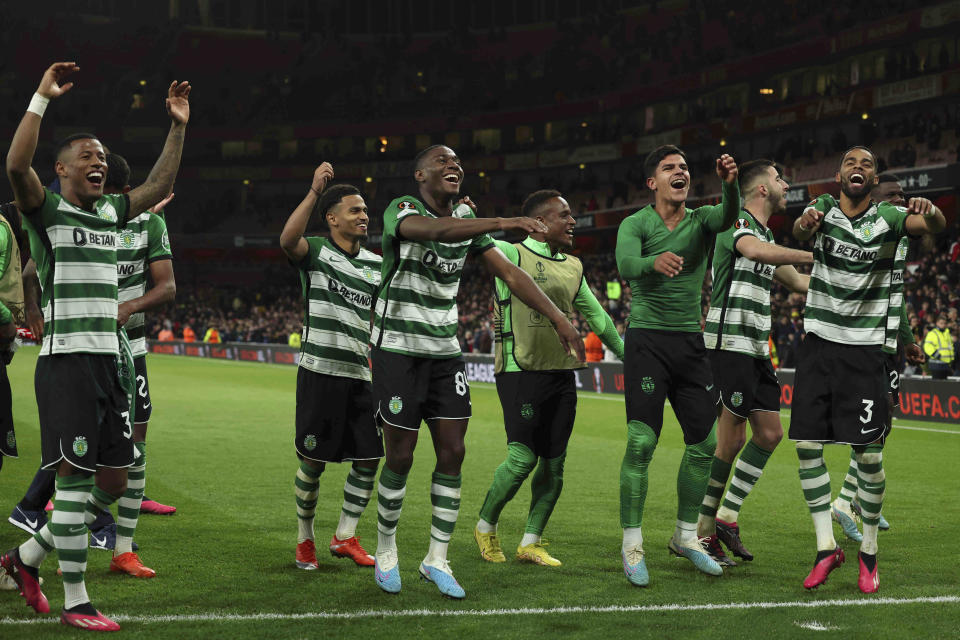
(418, 613)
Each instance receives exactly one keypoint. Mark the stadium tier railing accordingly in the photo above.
(921, 397)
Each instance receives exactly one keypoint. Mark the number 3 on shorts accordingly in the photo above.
(867, 411)
(460, 383)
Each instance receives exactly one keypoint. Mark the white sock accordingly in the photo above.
(632, 538)
(869, 542)
(528, 539)
(485, 527)
(347, 527)
(74, 593)
(437, 553)
(304, 530)
(823, 525)
(685, 532)
(32, 553)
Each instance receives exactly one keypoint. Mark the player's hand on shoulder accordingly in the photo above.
(178, 102)
(522, 223)
(668, 263)
(50, 84)
(467, 201)
(727, 168)
(321, 176)
(920, 206)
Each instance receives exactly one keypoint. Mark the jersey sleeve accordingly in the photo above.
(314, 245)
(895, 216)
(480, 243)
(5, 314)
(716, 218)
(396, 211)
(158, 240)
(121, 204)
(509, 251)
(630, 262)
(599, 320)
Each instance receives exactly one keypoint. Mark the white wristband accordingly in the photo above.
(38, 104)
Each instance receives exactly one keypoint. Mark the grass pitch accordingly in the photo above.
(221, 450)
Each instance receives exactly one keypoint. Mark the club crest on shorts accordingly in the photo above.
(396, 405)
(736, 399)
(80, 446)
(526, 410)
(310, 442)
(647, 384)
(11, 439)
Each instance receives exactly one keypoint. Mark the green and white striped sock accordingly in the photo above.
(356, 495)
(706, 521)
(815, 482)
(307, 486)
(445, 498)
(391, 490)
(128, 505)
(70, 535)
(872, 486)
(849, 488)
(747, 472)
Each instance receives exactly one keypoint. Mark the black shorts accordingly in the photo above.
(840, 393)
(8, 438)
(746, 384)
(659, 365)
(892, 365)
(539, 408)
(84, 415)
(141, 397)
(335, 419)
(408, 390)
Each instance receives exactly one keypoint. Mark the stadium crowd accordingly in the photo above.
(274, 313)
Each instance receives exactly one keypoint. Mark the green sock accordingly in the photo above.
(849, 488)
(545, 490)
(391, 489)
(357, 490)
(70, 535)
(641, 442)
(749, 468)
(445, 498)
(693, 475)
(307, 486)
(128, 505)
(507, 480)
(719, 472)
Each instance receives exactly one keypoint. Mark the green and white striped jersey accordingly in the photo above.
(142, 241)
(894, 313)
(739, 315)
(76, 256)
(849, 297)
(338, 291)
(416, 307)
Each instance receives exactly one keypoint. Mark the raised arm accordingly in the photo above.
(727, 171)
(160, 181)
(291, 238)
(27, 188)
(523, 286)
(757, 250)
